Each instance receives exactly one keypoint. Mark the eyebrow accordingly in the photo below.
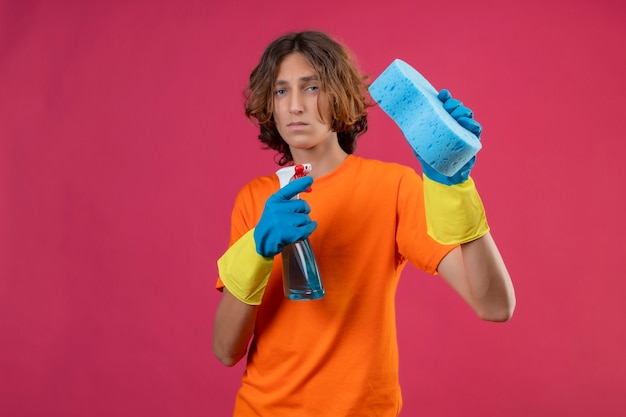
(302, 79)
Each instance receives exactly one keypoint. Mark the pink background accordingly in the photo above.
(123, 143)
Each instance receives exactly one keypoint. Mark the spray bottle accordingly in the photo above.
(301, 277)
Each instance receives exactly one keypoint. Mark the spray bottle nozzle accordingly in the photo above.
(293, 172)
(301, 170)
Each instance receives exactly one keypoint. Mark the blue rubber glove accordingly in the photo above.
(465, 117)
(284, 220)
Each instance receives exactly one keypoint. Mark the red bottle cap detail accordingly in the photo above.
(301, 170)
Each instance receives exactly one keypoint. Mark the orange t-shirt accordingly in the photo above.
(337, 356)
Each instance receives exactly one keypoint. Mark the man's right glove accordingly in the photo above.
(246, 266)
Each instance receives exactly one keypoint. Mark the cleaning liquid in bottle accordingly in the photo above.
(301, 277)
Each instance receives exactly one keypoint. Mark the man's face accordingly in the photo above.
(297, 92)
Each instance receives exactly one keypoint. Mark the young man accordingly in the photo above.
(365, 220)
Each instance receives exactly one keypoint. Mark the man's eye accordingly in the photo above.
(280, 92)
(312, 88)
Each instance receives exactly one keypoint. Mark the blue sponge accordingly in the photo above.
(412, 103)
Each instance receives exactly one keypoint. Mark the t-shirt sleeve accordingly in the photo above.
(414, 243)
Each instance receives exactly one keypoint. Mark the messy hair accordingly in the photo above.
(340, 79)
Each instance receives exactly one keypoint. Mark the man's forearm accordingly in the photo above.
(232, 329)
(488, 279)
(477, 272)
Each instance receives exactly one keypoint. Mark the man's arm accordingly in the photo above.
(477, 272)
(455, 214)
(246, 266)
(232, 328)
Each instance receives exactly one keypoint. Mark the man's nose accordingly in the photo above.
(296, 105)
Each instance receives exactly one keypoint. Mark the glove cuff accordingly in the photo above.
(243, 271)
(454, 213)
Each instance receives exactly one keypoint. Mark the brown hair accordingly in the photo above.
(340, 79)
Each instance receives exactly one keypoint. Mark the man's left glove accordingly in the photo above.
(454, 211)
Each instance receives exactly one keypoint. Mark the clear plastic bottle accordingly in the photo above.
(301, 276)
